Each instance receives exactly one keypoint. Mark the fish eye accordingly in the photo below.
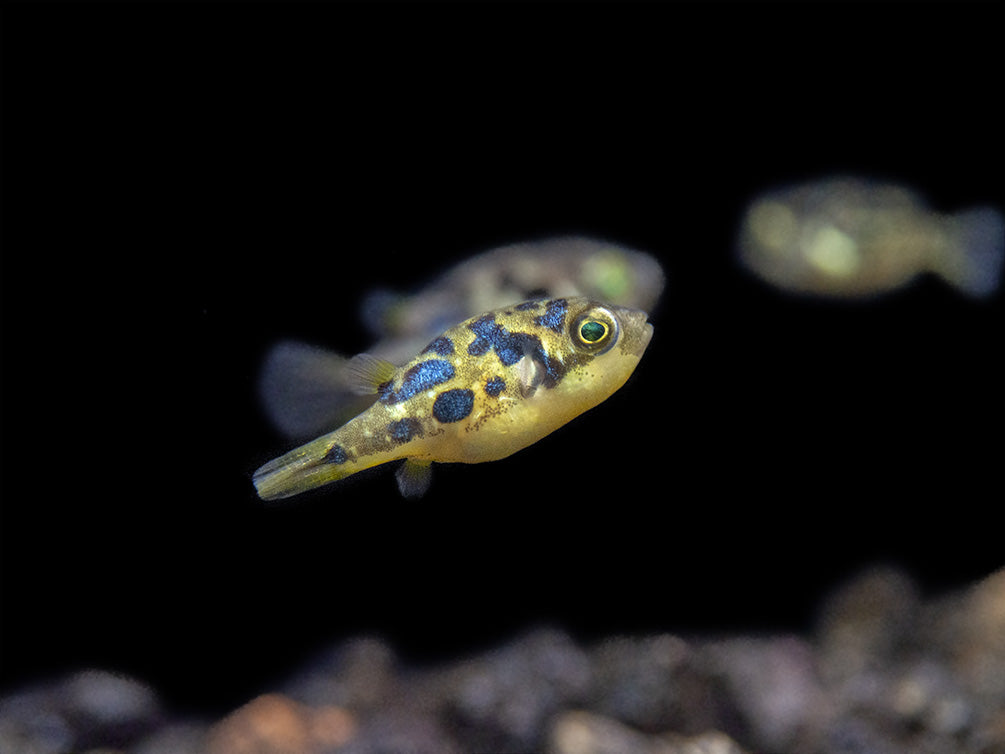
(591, 331)
(595, 331)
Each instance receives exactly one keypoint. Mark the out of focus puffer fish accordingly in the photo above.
(306, 389)
(481, 391)
(565, 266)
(849, 237)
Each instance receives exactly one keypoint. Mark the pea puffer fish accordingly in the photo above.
(306, 389)
(481, 391)
(852, 238)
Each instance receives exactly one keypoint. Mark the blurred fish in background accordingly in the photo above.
(306, 390)
(853, 238)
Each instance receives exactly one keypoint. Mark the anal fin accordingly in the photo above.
(414, 477)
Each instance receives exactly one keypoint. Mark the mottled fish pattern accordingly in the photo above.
(481, 391)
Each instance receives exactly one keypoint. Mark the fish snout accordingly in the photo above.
(636, 330)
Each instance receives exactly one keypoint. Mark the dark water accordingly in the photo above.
(182, 188)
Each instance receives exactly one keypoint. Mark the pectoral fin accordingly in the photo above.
(530, 373)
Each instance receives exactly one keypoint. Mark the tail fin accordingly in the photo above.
(317, 463)
(978, 251)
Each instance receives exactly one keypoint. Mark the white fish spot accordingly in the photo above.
(834, 253)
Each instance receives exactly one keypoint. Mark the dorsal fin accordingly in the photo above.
(367, 373)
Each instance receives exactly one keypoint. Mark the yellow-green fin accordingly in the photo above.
(301, 469)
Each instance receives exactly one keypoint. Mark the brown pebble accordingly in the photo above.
(275, 724)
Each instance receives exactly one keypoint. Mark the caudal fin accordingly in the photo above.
(312, 465)
(978, 252)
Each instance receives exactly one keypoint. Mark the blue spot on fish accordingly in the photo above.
(336, 454)
(510, 347)
(422, 376)
(441, 346)
(528, 305)
(495, 386)
(404, 430)
(453, 405)
(554, 315)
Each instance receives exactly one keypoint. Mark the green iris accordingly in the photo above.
(593, 331)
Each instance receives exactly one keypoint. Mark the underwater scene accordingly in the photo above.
(575, 379)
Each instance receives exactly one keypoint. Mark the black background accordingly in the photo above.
(185, 184)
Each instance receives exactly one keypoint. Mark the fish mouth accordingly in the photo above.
(647, 335)
(636, 331)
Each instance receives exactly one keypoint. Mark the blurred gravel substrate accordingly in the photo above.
(885, 671)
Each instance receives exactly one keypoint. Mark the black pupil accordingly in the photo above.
(592, 331)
